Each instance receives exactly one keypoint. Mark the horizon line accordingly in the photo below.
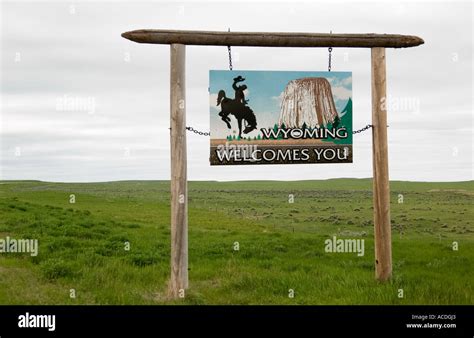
(226, 181)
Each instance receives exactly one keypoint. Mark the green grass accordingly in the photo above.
(82, 245)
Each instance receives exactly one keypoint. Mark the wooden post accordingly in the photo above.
(179, 185)
(381, 186)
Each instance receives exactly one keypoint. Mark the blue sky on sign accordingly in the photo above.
(264, 90)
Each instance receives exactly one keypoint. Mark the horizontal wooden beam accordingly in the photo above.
(270, 39)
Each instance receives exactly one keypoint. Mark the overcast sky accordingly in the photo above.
(80, 103)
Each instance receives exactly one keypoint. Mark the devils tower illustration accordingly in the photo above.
(307, 101)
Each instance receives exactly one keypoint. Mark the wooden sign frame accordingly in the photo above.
(178, 40)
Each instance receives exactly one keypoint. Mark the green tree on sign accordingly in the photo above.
(344, 119)
(275, 129)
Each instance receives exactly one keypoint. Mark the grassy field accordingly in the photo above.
(281, 244)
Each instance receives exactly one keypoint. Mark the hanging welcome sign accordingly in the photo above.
(280, 117)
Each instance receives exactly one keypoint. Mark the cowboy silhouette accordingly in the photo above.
(239, 90)
(238, 107)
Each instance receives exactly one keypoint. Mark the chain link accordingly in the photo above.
(362, 129)
(202, 133)
(329, 61)
(229, 50)
(230, 57)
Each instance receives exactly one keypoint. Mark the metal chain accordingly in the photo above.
(362, 129)
(230, 56)
(202, 133)
(329, 63)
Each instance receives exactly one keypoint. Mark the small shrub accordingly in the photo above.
(56, 268)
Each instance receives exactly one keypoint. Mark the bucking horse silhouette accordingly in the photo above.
(237, 107)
